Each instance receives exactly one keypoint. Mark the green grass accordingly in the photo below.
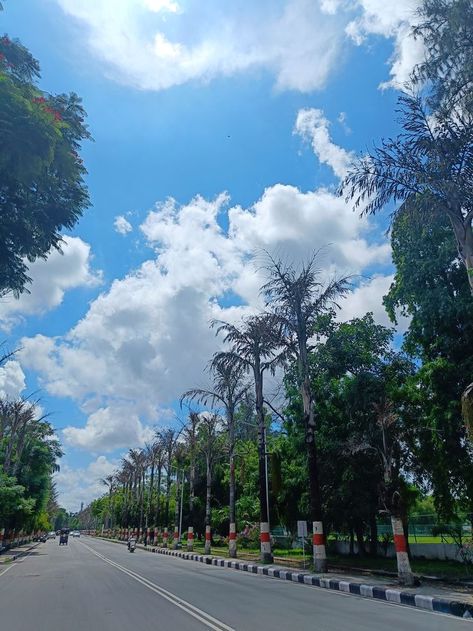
(427, 539)
(431, 567)
(425, 567)
(442, 569)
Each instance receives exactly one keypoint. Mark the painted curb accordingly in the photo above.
(18, 555)
(421, 601)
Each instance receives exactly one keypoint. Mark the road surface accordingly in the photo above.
(94, 585)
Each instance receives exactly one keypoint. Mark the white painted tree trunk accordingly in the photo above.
(232, 547)
(318, 547)
(176, 538)
(208, 540)
(406, 577)
(265, 540)
(190, 539)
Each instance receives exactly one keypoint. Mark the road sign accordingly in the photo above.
(301, 529)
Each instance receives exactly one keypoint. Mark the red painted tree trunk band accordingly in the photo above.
(208, 536)
(400, 543)
(264, 537)
(318, 539)
(190, 535)
(232, 536)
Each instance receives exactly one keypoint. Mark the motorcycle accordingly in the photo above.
(131, 545)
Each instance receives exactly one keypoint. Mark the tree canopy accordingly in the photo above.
(42, 188)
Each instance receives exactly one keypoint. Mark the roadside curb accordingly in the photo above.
(21, 553)
(456, 608)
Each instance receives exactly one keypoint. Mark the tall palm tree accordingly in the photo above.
(109, 482)
(229, 389)
(191, 438)
(255, 347)
(297, 300)
(169, 440)
(208, 437)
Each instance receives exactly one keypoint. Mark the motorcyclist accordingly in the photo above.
(130, 540)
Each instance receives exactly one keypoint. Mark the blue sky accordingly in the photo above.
(217, 132)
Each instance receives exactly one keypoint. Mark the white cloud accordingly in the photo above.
(156, 44)
(12, 380)
(162, 5)
(50, 280)
(108, 429)
(392, 20)
(122, 225)
(147, 339)
(312, 126)
(368, 296)
(76, 485)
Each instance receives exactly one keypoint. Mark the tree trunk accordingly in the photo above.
(176, 513)
(265, 539)
(149, 518)
(208, 496)
(406, 577)
(373, 535)
(232, 544)
(464, 237)
(158, 496)
(318, 539)
(360, 538)
(142, 500)
(191, 489)
(168, 495)
(405, 528)
(352, 542)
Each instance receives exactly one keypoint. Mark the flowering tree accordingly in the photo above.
(42, 189)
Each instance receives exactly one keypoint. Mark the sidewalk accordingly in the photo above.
(439, 598)
(7, 556)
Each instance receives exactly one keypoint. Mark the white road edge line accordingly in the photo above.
(191, 610)
(13, 563)
(8, 568)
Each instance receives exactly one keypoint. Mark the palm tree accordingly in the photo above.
(255, 348)
(297, 300)
(169, 439)
(136, 460)
(109, 482)
(208, 437)
(229, 389)
(190, 436)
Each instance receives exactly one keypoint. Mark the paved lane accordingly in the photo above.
(94, 585)
(67, 587)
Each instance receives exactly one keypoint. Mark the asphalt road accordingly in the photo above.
(92, 585)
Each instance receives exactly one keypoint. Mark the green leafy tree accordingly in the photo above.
(431, 289)
(42, 189)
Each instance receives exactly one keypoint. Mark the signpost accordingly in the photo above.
(302, 534)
